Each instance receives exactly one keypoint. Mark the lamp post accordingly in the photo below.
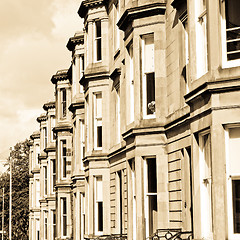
(3, 214)
(10, 197)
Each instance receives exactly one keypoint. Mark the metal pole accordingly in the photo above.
(10, 200)
(3, 215)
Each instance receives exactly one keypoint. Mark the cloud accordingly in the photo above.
(32, 44)
(19, 17)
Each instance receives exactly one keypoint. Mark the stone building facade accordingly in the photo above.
(147, 125)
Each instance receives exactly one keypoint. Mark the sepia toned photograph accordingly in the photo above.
(120, 120)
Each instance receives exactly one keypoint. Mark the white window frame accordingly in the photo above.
(229, 178)
(63, 158)
(52, 125)
(37, 193)
(83, 216)
(226, 63)
(133, 183)
(53, 173)
(37, 229)
(96, 41)
(147, 194)
(37, 153)
(96, 201)
(63, 103)
(45, 181)
(118, 115)
(206, 226)
(131, 84)
(45, 224)
(53, 224)
(97, 120)
(144, 78)
(201, 38)
(63, 215)
(82, 137)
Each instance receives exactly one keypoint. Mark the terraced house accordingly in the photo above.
(143, 138)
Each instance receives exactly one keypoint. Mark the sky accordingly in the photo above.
(33, 38)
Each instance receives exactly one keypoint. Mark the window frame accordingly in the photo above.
(63, 142)
(225, 62)
(96, 40)
(201, 39)
(98, 122)
(148, 194)
(45, 185)
(229, 179)
(145, 74)
(63, 216)
(96, 205)
(63, 95)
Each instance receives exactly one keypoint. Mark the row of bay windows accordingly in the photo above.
(205, 176)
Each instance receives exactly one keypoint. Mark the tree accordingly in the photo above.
(20, 192)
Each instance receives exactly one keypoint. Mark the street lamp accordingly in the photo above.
(10, 197)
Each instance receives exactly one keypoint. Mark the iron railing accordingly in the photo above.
(171, 234)
(108, 237)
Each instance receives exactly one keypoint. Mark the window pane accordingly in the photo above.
(236, 205)
(152, 200)
(150, 78)
(99, 136)
(98, 28)
(64, 225)
(152, 175)
(99, 49)
(100, 216)
(233, 30)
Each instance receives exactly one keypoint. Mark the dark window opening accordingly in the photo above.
(64, 159)
(150, 82)
(236, 205)
(64, 102)
(99, 136)
(98, 41)
(100, 216)
(233, 29)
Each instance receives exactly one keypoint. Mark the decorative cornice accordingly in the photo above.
(76, 40)
(85, 5)
(61, 75)
(62, 128)
(76, 105)
(140, 12)
(35, 135)
(43, 117)
(224, 85)
(50, 149)
(49, 105)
